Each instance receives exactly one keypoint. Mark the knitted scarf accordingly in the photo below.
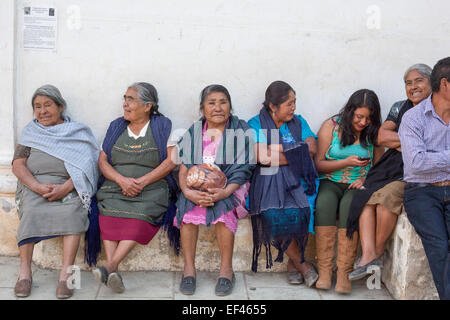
(234, 157)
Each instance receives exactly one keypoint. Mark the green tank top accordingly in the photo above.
(337, 152)
(134, 158)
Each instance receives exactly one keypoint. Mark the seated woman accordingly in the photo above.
(375, 209)
(213, 140)
(55, 163)
(285, 183)
(134, 194)
(346, 151)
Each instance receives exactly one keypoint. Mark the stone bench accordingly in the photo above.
(156, 256)
(406, 273)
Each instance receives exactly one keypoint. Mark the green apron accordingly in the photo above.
(134, 158)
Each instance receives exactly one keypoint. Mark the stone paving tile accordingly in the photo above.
(359, 292)
(7, 294)
(165, 286)
(274, 286)
(9, 271)
(266, 279)
(142, 285)
(206, 284)
(300, 292)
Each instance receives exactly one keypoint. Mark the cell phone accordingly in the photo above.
(363, 158)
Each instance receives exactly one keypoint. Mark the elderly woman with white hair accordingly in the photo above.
(55, 163)
(375, 209)
(137, 187)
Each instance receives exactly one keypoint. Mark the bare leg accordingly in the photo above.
(189, 235)
(386, 222)
(110, 249)
(225, 240)
(26, 256)
(123, 249)
(367, 226)
(70, 248)
(293, 252)
(291, 265)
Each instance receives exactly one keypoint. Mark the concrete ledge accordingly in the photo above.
(406, 273)
(159, 256)
(9, 223)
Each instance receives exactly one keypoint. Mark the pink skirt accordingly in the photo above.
(198, 214)
(117, 229)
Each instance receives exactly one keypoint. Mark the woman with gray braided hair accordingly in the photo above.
(137, 186)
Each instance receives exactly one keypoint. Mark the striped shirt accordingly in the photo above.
(425, 141)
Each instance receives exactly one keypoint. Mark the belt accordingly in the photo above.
(441, 184)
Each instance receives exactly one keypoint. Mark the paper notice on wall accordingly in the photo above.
(39, 28)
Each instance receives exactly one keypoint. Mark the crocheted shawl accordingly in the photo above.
(73, 143)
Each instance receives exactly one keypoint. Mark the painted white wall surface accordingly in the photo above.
(325, 49)
(6, 84)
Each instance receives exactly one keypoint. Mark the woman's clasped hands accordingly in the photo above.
(54, 192)
(206, 199)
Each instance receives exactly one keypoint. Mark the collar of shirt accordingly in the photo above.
(427, 105)
(428, 108)
(141, 134)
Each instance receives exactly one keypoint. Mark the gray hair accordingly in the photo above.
(147, 94)
(423, 69)
(51, 92)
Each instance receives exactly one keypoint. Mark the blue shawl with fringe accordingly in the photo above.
(234, 157)
(281, 190)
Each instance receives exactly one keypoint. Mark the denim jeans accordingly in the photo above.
(428, 210)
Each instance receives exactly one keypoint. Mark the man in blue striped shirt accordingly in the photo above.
(425, 138)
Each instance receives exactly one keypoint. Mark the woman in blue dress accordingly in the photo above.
(285, 183)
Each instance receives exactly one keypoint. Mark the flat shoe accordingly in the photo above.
(62, 291)
(23, 288)
(361, 272)
(188, 285)
(311, 277)
(295, 277)
(115, 282)
(100, 274)
(355, 265)
(224, 286)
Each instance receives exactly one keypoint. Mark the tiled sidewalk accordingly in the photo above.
(149, 285)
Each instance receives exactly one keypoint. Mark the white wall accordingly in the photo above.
(6, 84)
(325, 49)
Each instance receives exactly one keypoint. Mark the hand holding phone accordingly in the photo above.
(363, 158)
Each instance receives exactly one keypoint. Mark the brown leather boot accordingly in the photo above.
(325, 239)
(345, 259)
